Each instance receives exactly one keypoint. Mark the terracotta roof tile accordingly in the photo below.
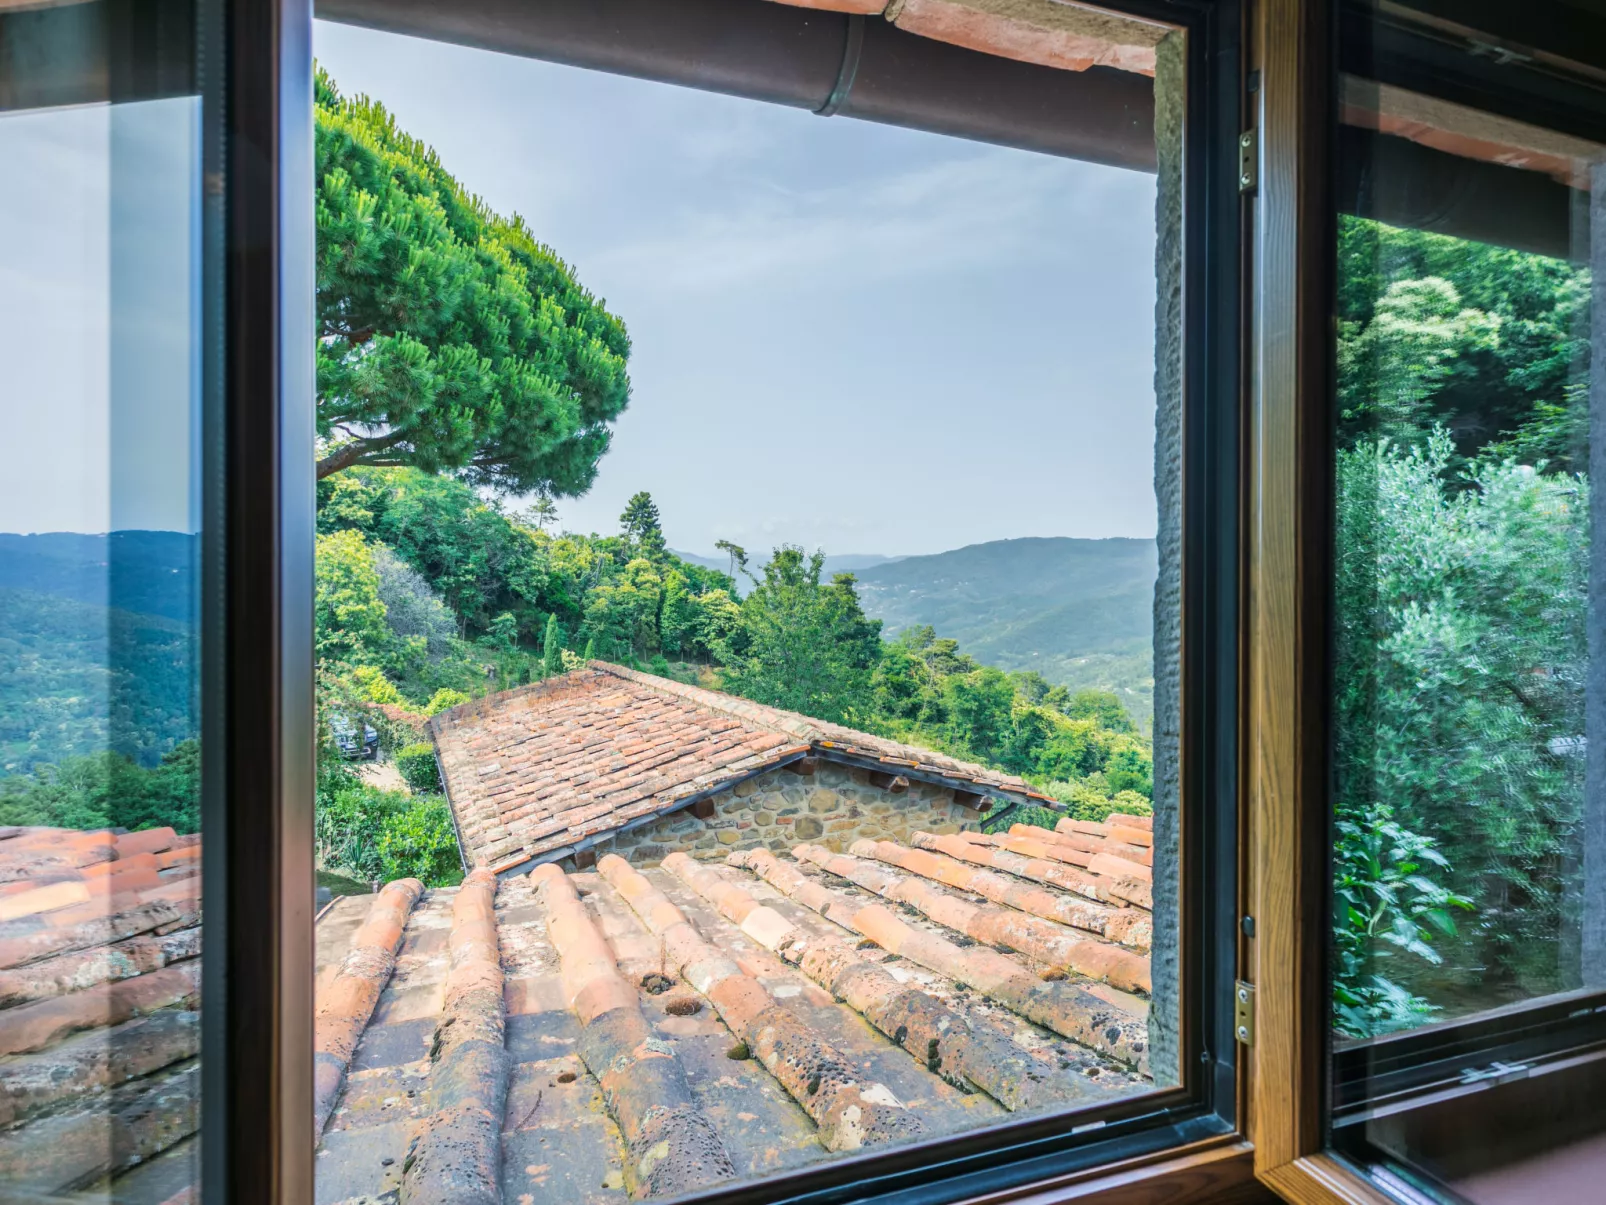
(698, 1024)
(99, 982)
(534, 770)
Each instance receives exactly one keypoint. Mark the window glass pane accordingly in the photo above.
(100, 932)
(1469, 841)
(748, 606)
(1462, 555)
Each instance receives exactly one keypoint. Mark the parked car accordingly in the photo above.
(344, 729)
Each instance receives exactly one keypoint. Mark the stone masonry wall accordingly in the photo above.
(832, 806)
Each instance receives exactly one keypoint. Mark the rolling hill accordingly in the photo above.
(848, 562)
(1079, 612)
(97, 646)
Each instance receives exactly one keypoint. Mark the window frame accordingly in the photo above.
(1186, 1142)
(1295, 1072)
(257, 659)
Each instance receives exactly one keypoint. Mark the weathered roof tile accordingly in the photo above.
(577, 756)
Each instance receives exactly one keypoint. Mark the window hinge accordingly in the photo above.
(1248, 160)
(1243, 1012)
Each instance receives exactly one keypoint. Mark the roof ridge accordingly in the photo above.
(776, 719)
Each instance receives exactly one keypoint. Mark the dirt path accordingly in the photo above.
(384, 775)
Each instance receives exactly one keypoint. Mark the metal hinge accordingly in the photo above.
(1243, 1012)
(1248, 160)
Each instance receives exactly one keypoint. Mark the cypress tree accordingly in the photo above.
(551, 644)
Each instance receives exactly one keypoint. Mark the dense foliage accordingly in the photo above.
(416, 764)
(448, 338)
(108, 790)
(524, 599)
(380, 835)
(79, 677)
(1460, 611)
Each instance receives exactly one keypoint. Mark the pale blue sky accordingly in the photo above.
(99, 238)
(845, 334)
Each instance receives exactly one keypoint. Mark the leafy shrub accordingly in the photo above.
(444, 699)
(420, 842)
(373, 686)
(1388, 904)
(1086, 801)
(416, 763)
(1461, 616)
(373, 834)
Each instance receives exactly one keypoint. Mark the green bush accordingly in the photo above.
(444, 699)
(416, 764)
(372, 834)
(420, 842)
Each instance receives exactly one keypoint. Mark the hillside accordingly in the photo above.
(146, 572)
(1079, 612)
(847, 562)
(96, 645)
(76, 678)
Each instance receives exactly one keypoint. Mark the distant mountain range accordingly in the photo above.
(1079, 612)
(97, 645)
(147, 572)
(852, 562)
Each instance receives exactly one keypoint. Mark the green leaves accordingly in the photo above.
(1386, 904)
(449, 339)
(350, 617)
(416, 764)
(803, 645)
(372, 834)
(1461, 611)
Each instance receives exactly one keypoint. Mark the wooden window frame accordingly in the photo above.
(1287, 546)
(1288, 503)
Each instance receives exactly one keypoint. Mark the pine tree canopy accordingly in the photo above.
(448, 338)
(641, 525)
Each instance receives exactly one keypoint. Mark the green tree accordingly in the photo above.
(350, 617)
(107, 790)
(1102, 706)
(805, 646)
(737, 554)
(641, 526)
(479, 560)
(448, 338)
(551, 648)
(979, 711)
(541, 514)
(1461, 643)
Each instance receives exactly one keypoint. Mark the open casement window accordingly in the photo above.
(155, 660)
(738, 928)
(1426, 800)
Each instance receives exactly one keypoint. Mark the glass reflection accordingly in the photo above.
(99, 652)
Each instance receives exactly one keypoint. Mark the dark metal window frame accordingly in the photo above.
(258, 662)
(257, 659)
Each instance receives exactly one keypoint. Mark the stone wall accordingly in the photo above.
(833, 805)
(1170, 97)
